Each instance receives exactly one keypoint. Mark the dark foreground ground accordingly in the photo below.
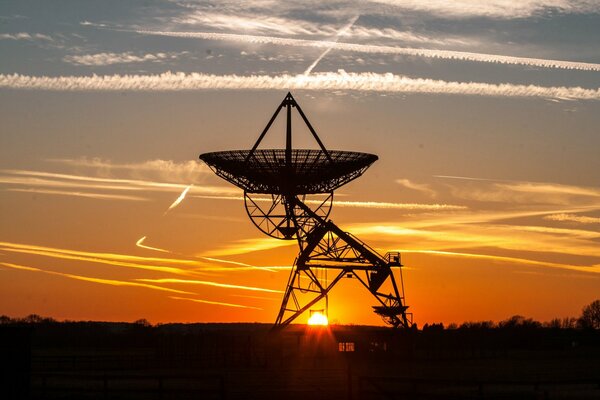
(247, 361)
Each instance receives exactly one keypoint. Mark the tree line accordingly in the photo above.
(589, 319)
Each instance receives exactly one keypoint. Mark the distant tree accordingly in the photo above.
(37, 319)
(33, 319)
(555, 323)
(477, 325)
(433, 327)
(518, 321)
(569, 323)
(590, 316)
(143, 322)
(5, 319)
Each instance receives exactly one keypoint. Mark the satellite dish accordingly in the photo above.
(288, 194)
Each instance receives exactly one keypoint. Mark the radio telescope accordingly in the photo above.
(288, 195)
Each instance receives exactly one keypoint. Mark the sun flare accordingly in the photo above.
(318, 318)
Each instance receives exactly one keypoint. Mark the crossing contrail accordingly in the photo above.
(337, 36)
(378, 49)
(179, 199)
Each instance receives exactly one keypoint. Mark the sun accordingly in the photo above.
(318, 318)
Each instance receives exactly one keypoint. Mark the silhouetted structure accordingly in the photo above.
(291, 177)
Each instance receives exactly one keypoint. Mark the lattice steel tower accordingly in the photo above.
(288, 195)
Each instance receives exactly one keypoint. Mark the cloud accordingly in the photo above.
(88, 23)
(511, 260)
(25, 36)
(161, 170)
(390, 50)
(400, 206)
(501, 9)
(101, 59)
(64, 184)
(111, 282)
(488, 238)
(87, 195)
(164, 265)
(572, 218)
(360, 82)
(247, 246)
(550, 188)
(209, 283)
(176, 266)
(255, 23)
(357, 204)
(270, 269)
(215, 303)
(419, 187)
(522, 192)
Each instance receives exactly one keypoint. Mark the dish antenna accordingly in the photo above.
(288, 194)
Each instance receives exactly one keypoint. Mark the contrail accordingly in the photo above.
(179, 199)
(111, 282)
(359, 204)
(573, 218)
(140, 242)
(337, 36)
(209, 283)
(341, 80)
(238, 263)
(216, 303)
(377, 49)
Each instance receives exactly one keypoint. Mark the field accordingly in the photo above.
(249, 361)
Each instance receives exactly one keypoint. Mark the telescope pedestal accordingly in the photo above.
(327, 247)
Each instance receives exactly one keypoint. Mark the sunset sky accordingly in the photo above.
(484, 116)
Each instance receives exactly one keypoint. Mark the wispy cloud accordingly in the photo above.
(255, 23)
(209, 283)
(215, 303)
(25, 36)
(573, 218)
(400, 206)
(357, 204)
(111, 282)
(90, 185)
(510, 260)
(154, 264)
(389, 50)
(219, 260)
(534, 240)
(419, 187)
(521, 192)
(178, 266)
(153, 170)
(502, 9)
(88, 195)
(100, 59)
(247, 246)
(359, 82)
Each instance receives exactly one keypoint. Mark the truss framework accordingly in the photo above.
(328, 248)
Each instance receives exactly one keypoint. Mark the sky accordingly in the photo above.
(484, 116)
